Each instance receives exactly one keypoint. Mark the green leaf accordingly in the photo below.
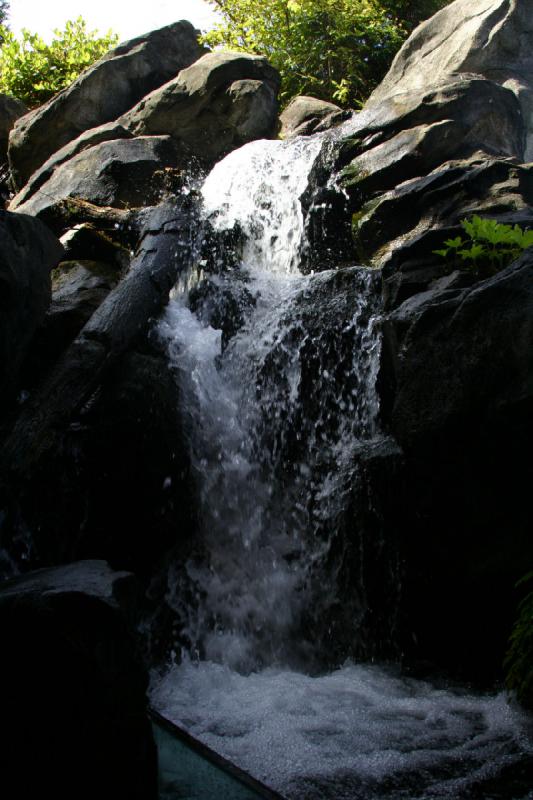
(454, 243)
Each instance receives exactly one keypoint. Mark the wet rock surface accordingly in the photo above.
(124, 173)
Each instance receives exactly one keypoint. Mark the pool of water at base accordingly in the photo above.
(359, 733)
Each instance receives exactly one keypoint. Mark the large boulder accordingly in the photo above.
(401, 139)
(72, 687)
(29, 253)
(304, 114)
(10, 110)
(218, 104)
(492, 38)
(101, 94)
(103, 133)
(463, 353)
(400, 229)
(457, 394)
(123, 173)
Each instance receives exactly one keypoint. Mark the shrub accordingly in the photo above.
(34, 71)
(489, 246)
(335, 50)
(519, 658)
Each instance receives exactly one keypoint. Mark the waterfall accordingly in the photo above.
(274, 418)
(277, 375)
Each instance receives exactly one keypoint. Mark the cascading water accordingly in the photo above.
(277, 374)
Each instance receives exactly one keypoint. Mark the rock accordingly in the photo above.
(402, 138)
(92, 137)
(457, 386)
(409, 135)
(122, 470)
(29, 252)
(463, 352)
(303, 115)
(73, 691)
(85, 241)
(79, 287)
(400, 229)
(219, 103)
(102, 93)
(490, 38)
(223, 304)
(165, 250)
(122, 173)
(11, 108)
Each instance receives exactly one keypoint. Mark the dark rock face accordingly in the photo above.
(29, 252)
(73, 691)
(102, 422)
(461, 375)
(10, 110)
(463, 353)
(101, 94)
(400, 229)
(90, 138)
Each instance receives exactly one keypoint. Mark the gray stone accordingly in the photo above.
(408, 135)
(304, 114)
(104, 133)
(218, 104)
(489, 115)
(101, 94)
(78, 288)
(29, 252)
(122, 172)
(492, 38)
(85, 241)
(10, 110)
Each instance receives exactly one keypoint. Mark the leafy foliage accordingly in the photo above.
(490, 245)
(34, 71)
(4, 11)
(519, 658)
(335, 50)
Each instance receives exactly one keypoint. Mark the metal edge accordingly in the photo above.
(210, 755)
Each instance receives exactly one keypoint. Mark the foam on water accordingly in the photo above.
(359, 732)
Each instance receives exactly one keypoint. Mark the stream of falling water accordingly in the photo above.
(279, 402)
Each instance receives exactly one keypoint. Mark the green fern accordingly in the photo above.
(489, 247)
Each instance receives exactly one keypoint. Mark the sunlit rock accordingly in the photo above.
(102, 92)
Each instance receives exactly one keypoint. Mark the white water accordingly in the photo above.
(275, 422)
(355, 734)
